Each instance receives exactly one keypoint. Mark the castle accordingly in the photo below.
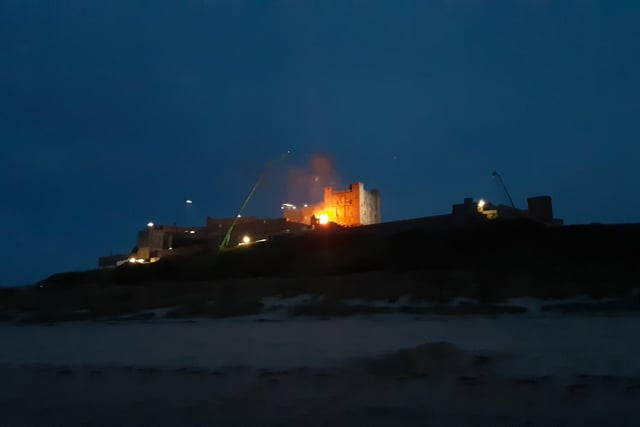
(348, 208)
(352, 207)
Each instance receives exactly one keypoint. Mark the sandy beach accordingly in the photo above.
(377, 370)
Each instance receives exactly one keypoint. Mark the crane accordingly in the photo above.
(227, 236)
(502, 186)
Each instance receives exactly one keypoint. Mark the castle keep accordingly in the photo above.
(352, 207)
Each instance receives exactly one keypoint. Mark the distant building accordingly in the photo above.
(159, 241)
(352, 207)
(539, 209)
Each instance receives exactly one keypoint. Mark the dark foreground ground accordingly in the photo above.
(383, 370)
(434, 388)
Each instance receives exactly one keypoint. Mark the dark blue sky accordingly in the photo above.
(113, 113)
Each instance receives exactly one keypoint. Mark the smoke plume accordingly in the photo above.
(306, 185)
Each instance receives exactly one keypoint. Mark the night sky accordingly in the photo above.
(113, 113)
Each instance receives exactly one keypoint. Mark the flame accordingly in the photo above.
(323, 219)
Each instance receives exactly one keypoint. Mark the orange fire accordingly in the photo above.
(323, 218)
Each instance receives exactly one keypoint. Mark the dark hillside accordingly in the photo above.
(487, 262)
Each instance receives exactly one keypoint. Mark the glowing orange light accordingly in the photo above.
(323, 219)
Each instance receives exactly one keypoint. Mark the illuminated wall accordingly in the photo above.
(370, 209)
(351, 207)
